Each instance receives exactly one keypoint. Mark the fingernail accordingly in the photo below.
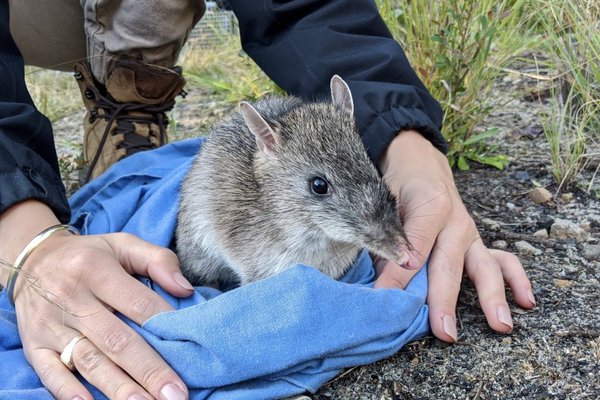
(531, 297)
(181, 281)
(172, 392)
(449, 325)
(503, 314)
(77, 398)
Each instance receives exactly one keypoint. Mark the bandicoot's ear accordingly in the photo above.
(341, 96)
(266, 137)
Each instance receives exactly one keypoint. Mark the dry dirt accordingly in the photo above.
(554, 350)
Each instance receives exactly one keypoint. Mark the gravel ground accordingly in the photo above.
(554, 350)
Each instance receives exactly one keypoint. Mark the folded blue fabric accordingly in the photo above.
(274, 338)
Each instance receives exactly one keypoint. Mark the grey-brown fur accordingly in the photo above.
(247, 211)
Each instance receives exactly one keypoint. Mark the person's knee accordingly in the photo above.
(49, 34)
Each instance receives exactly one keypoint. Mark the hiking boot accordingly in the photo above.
(127, 115)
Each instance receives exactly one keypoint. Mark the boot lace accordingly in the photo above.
(126, 115)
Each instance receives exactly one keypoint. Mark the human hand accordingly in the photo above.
(438, 225)
(70, 285)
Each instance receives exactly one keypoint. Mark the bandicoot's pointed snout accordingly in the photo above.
(406, 260)
(397, 251)
(403, 260)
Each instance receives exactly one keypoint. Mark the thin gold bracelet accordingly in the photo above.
(35, 242)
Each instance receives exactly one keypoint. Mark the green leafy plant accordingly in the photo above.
(572, 40)
(227, 72)
(566, 136)
(458, 48)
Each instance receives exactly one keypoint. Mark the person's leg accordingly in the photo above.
(52, 33)
(49, 33)
(152, 32)
(128, 80)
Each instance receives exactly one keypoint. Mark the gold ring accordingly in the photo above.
(67, 354)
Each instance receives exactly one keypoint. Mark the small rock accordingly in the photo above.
(591, 251)
(491, 224)
(542, 234)
(566, 197)
(562, 283)
(586, 225)
(521, 176)
(532, 131)
(539, 195)
(563, 229)
(524, 247)
(545, 223)
(499, 244)
(510, 206)
(571, 269)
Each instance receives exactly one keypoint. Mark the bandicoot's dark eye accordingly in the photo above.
(319, 186)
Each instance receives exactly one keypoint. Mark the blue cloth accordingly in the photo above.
(274, 338)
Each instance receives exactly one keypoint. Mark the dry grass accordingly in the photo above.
(54, 93)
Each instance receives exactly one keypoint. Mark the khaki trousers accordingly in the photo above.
(57, 34)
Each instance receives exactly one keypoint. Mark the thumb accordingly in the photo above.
(143, 258)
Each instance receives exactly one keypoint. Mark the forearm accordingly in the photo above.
(18, 225)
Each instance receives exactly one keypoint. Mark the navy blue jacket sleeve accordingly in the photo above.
(28, 162)
(301, 44)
